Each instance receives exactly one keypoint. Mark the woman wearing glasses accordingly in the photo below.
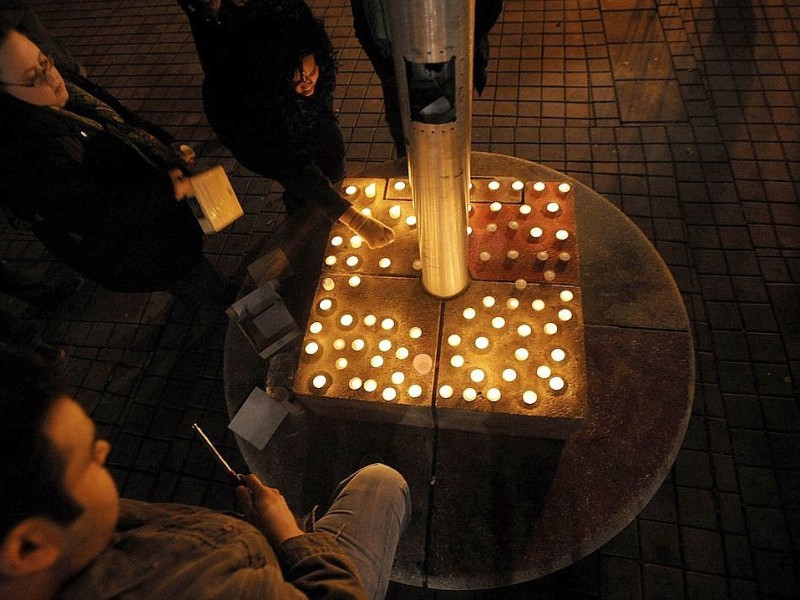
(100, 187)
(269, 76)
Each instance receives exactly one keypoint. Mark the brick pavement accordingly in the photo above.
(683, 113)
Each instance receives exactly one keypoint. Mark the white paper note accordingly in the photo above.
(258, 418)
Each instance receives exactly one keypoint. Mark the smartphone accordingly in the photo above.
(236, 478)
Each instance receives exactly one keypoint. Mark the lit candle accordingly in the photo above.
(521, 354)
(543, 255)
(371, 190)
(469, 230)
(520, 284)
(484, 256)
(454, 339)
(498, 322)
(415, 333)
(341, 363)
(337, 241)
(566, 295)
(415, 390)
(367, 211)
(512, 255)
(525, 209)
(354, 281)
(493, 394)
(315, 327)
(395, 211)
(339, 344)
(350, 190)
(481, 342)
(558, 354)
(536, 232)
(524, 330)
(446, 391)
(549, 275)
(469, 313)
(553, 207)
(399, 185)
(370, 385)
(411, 220)
(562, 234)
(517, 185)
(370, 320)
(401, 353)
(457, 361)
(564, 188)
(491, 227)
(384, 263)
(358, 344)
(494, 185)
(477, 375)
(564, 256)
(387, 324)
(352, 261)
(488, 301)
(376, 361)
(469, 394)
(495, 207)
(355, 383)
(539, 187)
(346, 320)
(543, 371)
(356, 241)
(385, 345)
(325, 304)
(398, 377)
(512, 303)
(312, 348)
(509, 375)
(556, 384)
(565, 314)
(550, 328)
(319, 381)
(328, 284)
(538, 305)
(416, 265)
(529, 397)
(330, 260)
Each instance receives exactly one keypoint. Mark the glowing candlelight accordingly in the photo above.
(564, 256)
(521, 354)
(498, 322)
(469, 313)
(328, 284)
(355, 383)
(371, 190)
(549, 275)
(315, 327)
(319, 381)
(566, 295)
(454, 339)
(543, 371)
(415, 390)
(525, 209)
(385, 262)
(350, 190)
(517, 185)
(417, 265)
(536, 232)
(370, 320)
(411, 221)
(398, 377)
(356, 241)
(512, 255)
(481, 342)
(553, 207)
(358, 344)
(351, 261)
(339, 344)
(376, 361)
(457, 361)
(520, 284)
(562, 234)
(469, 394)
(346, 320)
(477, 375)
(556, 384)
(370, 385)
(488, 301)
(542, 255)
(330, 260)
(341, 363)
(558, 354)
(550, 328)
(325, 304)
(415, 333)
(564, 188)
(354, 281)
(493, 394)
(367, 212)
(491, 227)
(529, 397)
(484, 256)
(494, 185)
(495, 207)
(399, 185)
(395, 211)
(387, 324)
(469, 230)
(524, 330)
(446, 391)
(513, 225)
(401, 353)
(565, 314)
(312, 348)
(538, 305)
(512, 303)
(337, 241)
(389, 394)
(539, 187)
(509, 375)
(385, 345)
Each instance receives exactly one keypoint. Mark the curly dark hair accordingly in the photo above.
(31, 470)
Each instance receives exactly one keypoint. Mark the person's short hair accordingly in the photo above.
(31, 470)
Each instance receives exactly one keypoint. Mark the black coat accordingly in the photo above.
(92, 200)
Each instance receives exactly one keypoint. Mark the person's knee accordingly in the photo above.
(391, 485)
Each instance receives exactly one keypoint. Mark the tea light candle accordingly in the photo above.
(521, 354)
(469, 313)
(512, 303)
(556, 384)
(352, 261)
(495, 207)
(512, 255)
(564, 188)
(469, 394)
(401, 353)
(481, 342)
(371, 190)
(312, 348)
(562, 234)
(350, 190)
(517, 186)
(539, 187)
(509, 375)
(553, 207)
(399, 185)
(376, 361)
(538, 305)
(341, 363)
(529, 397)
(370, 320)
(549, 275)
(558, 354)
(423, 363)
(354, 383)
(367, 211)
(325, 304)
(536, 232)
(415, 390)
(454, 339)
(524, 330)
(469, 230)
(416, 265)
(315, 327)
(491, 227)
(339, 344)
(358, 344)
(525, 209)
(565, 314)
(566, 295)
(477, 375)
(494, 185)
(346, 320)
(319, 381)
(398, 377)
(550, 328)
(498, 322)
(564, 256)
(328, 284)
(513, 225)
(411, 221)
(395, 211)
(520, 284)
(446, 391)
(415, 333)
(543, 255)
(385, 262)
(356, 241)
(385, 345)
(330, 260)
(387, 324)
(488, 301)
(354, 281)
(543, 371)
(457, 361)
(337, 241)
(484, 256)
(370, 385)
(493, 394)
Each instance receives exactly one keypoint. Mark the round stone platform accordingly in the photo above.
(492, 510)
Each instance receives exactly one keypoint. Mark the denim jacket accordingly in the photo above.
(175, 551)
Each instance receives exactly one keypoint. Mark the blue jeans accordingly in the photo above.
(368, 512)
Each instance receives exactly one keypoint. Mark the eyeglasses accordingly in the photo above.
(40, 76)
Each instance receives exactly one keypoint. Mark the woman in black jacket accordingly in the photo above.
(100, 187)
(269, 76)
